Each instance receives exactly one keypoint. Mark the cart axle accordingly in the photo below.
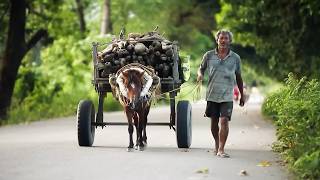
(125, 123)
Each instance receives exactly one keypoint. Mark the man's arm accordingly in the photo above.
(240, 87)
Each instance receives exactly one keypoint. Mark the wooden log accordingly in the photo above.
(130, 48)
(163, 57)
(157, 53)
(165, 71)
(139, 48)
(108, 57)
(156, 45)
(123, 62)
(151, 49)
(140, 58)
(169, 52)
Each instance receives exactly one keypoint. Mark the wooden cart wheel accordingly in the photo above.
(183, 124)
(86, 115)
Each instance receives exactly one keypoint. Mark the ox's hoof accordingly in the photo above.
(141, 148)
(145, 144)
(129, 149)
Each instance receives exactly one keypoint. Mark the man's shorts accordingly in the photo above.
(216, 110)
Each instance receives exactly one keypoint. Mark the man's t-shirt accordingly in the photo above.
(221, 75)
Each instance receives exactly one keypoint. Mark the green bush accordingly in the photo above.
(295, 109)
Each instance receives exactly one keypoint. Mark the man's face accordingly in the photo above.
(223, 40)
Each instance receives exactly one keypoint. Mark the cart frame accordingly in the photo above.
(180, 120)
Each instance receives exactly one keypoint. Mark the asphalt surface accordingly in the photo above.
(49, 150)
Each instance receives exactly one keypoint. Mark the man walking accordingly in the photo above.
(224, 69)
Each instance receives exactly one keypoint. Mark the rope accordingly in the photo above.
(155, 94)
(197, 95)
(175, 89)
(196, 87)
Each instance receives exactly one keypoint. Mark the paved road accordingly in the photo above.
(49, 150)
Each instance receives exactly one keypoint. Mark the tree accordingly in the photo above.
(4, 7)
(106, 25)
(197, 13)
(80, 13)
(15, 49)
(282, 32)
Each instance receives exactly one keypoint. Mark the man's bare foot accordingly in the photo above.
(223, 155)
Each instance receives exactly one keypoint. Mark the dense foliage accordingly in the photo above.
(283, 34)
(295, 109)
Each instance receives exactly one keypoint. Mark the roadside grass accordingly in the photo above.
(60, 106)
(295, 111)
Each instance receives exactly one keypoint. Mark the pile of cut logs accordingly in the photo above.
(150, 49)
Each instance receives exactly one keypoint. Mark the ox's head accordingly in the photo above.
(133, 82)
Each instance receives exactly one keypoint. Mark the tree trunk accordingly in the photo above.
(106, 25)
(16, 48)
(81, 16)
(14, 51)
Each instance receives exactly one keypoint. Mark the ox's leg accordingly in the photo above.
(139, 127)
(130, 130)
(139, 132)
(136, 124)
(144, 137)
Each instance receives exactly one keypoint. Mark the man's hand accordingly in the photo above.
(200, 77)
(242, 99)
